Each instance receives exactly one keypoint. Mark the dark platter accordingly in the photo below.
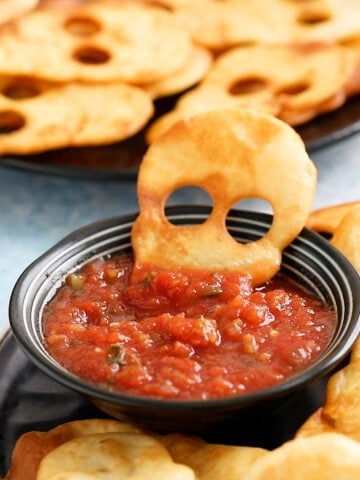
(121, 161)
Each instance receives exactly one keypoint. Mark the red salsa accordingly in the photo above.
(182, 334)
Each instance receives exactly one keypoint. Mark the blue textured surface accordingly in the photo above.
(38, 209)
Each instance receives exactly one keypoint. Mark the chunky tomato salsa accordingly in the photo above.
(182, 334)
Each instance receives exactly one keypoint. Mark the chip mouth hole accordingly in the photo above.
(247, 86)
(82, 26)
(20, 89)
(313, 18)
(159, 4)
(91, 55)
(294, 89)
(10, 121)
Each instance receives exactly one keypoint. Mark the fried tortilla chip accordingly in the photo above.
(211, 461)
(342, 223)
(341, 411)
(10, 9)
(191, 73)
(334, 20)
(342, 405)
(314, 425)
(235, 153)
(285, 81)
(327, 219)
(95, 42)
(347, 234)
(33, 446)
(221, 25)
(36, 116)
(110, 456)
(318, 457)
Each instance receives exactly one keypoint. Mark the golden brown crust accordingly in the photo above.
(313, 425)
(191, 73)
(33, 446)
(95, 42)
(221, 25)
(342, 223)
(12, 9)
(285, 81)
(112, 455)
(342, 405)
(346, 236)
(36, 116)
(211, 461)
(341, 411)
(318, 457)
(327, 219)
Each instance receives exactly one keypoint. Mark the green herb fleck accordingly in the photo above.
(116, 354)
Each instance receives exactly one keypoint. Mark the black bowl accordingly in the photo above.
(310, 260)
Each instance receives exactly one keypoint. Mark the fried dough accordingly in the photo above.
(108, 456)
(211, 461)
(95, 42)
(287, 82)
(319, 457)
(342, 223)
(234, 153)
(36, 116)
(33, 446)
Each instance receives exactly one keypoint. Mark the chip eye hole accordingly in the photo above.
(82, 26)
(91, 55)
(179, 195)
(20, 89)
(247, 86)
(313, 18)
(10, 121)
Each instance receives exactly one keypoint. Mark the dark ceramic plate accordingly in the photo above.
(30, 400)
(121, 160)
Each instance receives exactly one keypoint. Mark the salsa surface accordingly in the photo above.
(182, 334)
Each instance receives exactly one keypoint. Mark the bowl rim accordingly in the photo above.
(316, 370)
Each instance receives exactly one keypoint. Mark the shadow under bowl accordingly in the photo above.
(311, 261)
